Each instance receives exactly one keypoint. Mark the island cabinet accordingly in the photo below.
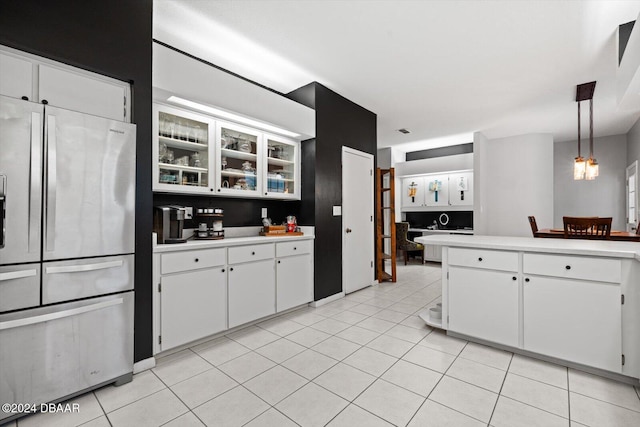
(483, 294)
(204, 288)
(572, 302)
(573, 309)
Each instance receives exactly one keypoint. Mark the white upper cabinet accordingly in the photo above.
(182, 150)
(77, 92)
(239, 164)
(15, 77)
(60, 86)
(436, 191)
(199, 154)
(413, 192)
(461, 189)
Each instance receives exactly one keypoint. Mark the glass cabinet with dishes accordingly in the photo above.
(281, 167)
(182, 150)
(238, 160)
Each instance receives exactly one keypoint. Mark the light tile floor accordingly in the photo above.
(364, 360)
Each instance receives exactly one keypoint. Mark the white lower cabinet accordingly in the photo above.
(294, 279)
(484, 304)
(433, 253)
(252, 291)
(578, 321)
(193, 305)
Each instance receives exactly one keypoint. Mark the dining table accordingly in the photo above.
(558, 233)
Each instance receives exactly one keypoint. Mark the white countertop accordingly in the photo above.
(531, 244)
(226, 242)
(452, 231)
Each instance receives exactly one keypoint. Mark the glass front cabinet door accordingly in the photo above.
(181, 150)
(282, 167)
(238, 160)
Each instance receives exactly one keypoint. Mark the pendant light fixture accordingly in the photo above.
(585, 169)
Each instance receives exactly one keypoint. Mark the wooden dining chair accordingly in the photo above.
(586, 227)
(534, 226)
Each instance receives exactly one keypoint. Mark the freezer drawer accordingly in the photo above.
(51, 352)
(19, 286)
(69, 280)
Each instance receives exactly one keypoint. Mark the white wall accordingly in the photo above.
(513, 179)
(633, 143)
(605, 195)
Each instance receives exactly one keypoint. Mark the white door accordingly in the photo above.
(632, 196)
(294, 281)
(15, 77)
(357, 220)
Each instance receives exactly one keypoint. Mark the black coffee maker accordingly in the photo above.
(168, 222)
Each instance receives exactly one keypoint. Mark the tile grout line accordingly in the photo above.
(500, 391)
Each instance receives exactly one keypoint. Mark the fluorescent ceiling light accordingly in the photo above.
(231, 116)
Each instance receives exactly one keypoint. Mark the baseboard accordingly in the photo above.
(327, 300)
(144, 365)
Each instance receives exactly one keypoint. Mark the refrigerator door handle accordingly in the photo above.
(85, 267)
(16, 323)
(36, 182)
(51, 183)
(3, 209)
(17, 274)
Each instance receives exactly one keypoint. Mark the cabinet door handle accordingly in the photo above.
(196, 260)
(231, 269)
(568, 267)
(526, 280)
(223, 270)
(514, 278)
(480, 259)
(253, 253)
(278, 261)
(295, 248)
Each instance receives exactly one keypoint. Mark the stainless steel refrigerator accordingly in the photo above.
(67, 207)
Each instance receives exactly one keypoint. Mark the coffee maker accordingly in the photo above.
(168, 222)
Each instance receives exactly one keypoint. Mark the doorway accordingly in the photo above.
(632, 196)
(357, 220)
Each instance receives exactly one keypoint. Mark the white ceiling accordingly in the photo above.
(442, 69)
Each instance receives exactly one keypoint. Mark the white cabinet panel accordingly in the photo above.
(574, 320)
(192, 260)
(484, 304)
(241, 254)
(436, 190)
(574, 267)
(15, 77)
(294, 281)
(413, 192)
(192, 306)
(73, 91)
(433, 253)
(252, 291)
(461, 189)
(484, 258)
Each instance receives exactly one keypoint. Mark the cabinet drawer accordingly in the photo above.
(293, 248)
(484, 258)
(241, 254)
(573, 267)
(191, 260)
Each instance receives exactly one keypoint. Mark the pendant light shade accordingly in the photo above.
(585, 169)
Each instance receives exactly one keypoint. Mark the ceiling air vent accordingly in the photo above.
(403, 130)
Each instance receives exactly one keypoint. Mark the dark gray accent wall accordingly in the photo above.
(431, 153)
(112, 38)
(339, 122)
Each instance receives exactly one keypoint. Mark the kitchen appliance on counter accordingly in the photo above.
(168, 224)
(67, 196)
(209, 224)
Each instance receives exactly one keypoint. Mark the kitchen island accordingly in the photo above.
(573, 302)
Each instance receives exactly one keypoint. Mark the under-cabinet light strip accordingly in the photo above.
(231, 116)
